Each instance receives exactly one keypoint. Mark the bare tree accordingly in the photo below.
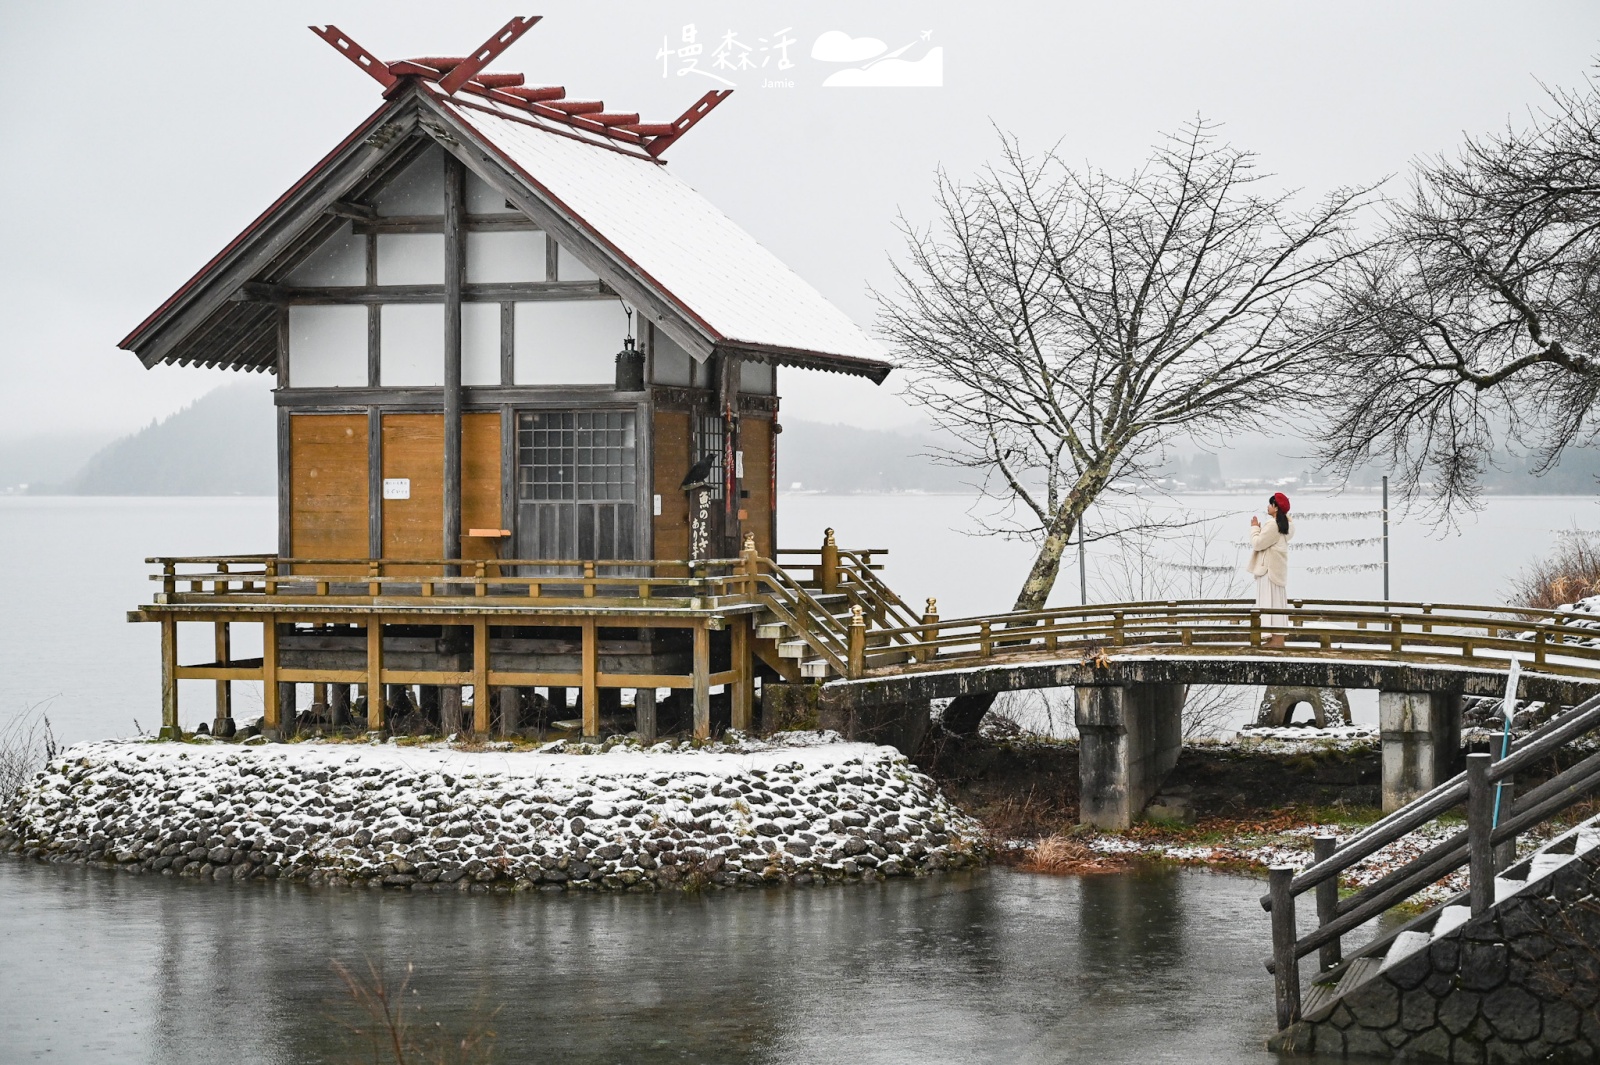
(1474, 322)
(1064, 325)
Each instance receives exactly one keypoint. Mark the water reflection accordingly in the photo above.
(1138, 968)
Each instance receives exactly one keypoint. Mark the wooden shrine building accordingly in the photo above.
(512, 354)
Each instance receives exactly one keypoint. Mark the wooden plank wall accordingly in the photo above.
(480, 483)
(673, 437)
(413, 447)
(328, 485)
(756, 441)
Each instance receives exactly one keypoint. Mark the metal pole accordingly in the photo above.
(1386, 539)
(1083, 573)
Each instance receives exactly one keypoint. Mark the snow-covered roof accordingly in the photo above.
(599, 175)
(674, 237)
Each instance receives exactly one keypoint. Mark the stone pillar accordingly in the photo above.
(451, 720)
(509, 702)
(785, 707)
(644, 714)
(339, 705)
(1129, 738)
(1421, 734)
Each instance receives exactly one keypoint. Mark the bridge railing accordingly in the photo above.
(1487, 846)
(1555, 643)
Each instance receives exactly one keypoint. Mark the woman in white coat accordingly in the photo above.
(1269, 563)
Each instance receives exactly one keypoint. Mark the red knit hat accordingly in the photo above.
(1280, 501)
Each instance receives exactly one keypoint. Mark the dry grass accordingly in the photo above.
(1567, 574)
(26, 744)
(393, 1029)
(1066, 855)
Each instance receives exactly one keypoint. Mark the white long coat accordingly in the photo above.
(1269, 552)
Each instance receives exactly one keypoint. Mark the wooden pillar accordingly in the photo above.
(288, 711)
(591, 676)
(744, 679)
(702, 681)
(480, 676)
(222, 726)
(272, 723)
(454, 271)
(170, 729)
(728, 406)
(374, 673)
(644, 714)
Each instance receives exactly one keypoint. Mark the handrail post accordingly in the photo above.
(828, 568)
(220, 587)
(857, 664)
(169, 580)
(1322, 848)
(480, 586)
(588, 580)
(1480, 818)
(1286, 969)
(1505, 853)
(269, 583)
(373, 571)
(930, 629)
(985, 640)
(1255, 628)
(752, 564)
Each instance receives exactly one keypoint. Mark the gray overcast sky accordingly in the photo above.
(140, 138)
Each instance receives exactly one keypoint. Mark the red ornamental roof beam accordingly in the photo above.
(485, 53)
(686, 121)
(453, 73)
(537, 93)
(346, 46)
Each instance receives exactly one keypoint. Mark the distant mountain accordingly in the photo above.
(221, 444)
(843, 459)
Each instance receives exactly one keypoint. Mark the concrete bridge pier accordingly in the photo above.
(1421, 737)
(1129, 738)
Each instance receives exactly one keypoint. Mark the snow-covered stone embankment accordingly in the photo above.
(435, 819)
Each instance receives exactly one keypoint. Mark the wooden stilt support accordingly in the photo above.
(591, 674)
(644, 714)
(744, 680)
(288, 711)
(222, 725)
(272, 723)
(170, 729)
(480, 676)
(374, 674)
(702, 681)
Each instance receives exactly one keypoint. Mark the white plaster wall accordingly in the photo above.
(328, 347)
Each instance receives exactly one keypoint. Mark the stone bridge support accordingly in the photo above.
(1130, 736)
(1421, 736)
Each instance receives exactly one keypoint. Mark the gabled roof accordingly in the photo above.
(592, 178)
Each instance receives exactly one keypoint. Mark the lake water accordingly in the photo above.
(992, 966)
(985, 967)
(77, 565)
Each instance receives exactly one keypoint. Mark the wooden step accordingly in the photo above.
(816, 668)
(793, 649)
(1357, 973)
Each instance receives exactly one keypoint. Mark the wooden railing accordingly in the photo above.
(232, 578)
(1485, 847)
(1453, 633)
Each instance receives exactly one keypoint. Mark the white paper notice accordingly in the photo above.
(397, 488)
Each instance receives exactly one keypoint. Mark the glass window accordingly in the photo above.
(576, 477)
(708, 441)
